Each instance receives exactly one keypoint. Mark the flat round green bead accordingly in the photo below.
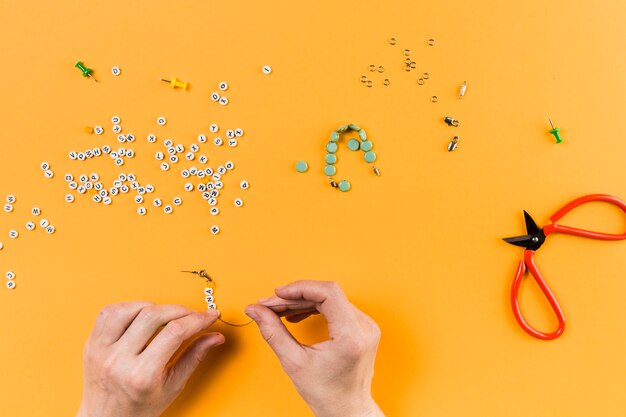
(362, 134)
(331, 147)
(366, 146)
(354, 145)
(334, 137)
(369, 156)
(330, 158)
(343, 128)
(355, 127)
(302, 166)
(344, 186)
(330, 170)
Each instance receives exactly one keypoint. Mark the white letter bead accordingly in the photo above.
(116, 71)
(50, 229)
(223, 86)
(214, 211)
(168, 209)
(13, 234)
(161, 121)
(244, 185)
(214, 128)
(215, 230)
(189, 186)
(215, 96)
(98, 130)
(69, 198)
(30, 226)
(218, 141)
(8, 208)
(208, 291)
(267, 69)
(116, 120)
(165, 166)
(223, 101)
(10, 285)
(229, 165)
(151, 138)
(142, 211)
(238, 202)
(36, 211)
(177, 201)
(157, 202)
(49, 174)
(10, 275)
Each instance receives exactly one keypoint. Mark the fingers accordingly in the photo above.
(113, 321)
(297, 318)
(275, 333)
(158, 353)
(191, 358)
(147, 322)
(330, 300)
(286, 308)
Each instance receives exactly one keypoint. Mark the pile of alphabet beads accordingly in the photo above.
(208, 297)
(362, 143)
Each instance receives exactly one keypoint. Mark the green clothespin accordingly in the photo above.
(86, 71)
(555, 132)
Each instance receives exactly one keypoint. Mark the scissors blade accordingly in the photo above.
(531, 226)
(523, 241)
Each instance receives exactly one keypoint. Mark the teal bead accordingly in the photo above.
(354, 145)
(330, 170)
(369, 156)
(355, 127)
(330, 158)
(343, 128)
(331, 147)
(362, 134)
(344, 185)
(366, 146)
(302, 166)
(334, 137)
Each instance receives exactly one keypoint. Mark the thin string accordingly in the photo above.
(252, 321)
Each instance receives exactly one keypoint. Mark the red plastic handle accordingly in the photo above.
(556, 228)
(529, 261)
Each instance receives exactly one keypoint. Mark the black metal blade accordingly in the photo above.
(523, 241)
(531, 226)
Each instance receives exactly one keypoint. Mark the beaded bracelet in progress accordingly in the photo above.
(362, 143)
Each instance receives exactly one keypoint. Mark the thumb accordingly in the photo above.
(191, 358)
(274, 332)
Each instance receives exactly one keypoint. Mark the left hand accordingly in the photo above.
(130, 371)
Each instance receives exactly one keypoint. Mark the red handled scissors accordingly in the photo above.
(533, 241)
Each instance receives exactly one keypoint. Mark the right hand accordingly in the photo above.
(334, 377)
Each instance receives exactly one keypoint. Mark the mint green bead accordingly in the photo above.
(362, 134)
(330, 170)
(366, 146)
(343, 128)
(344, 185)
(302, 166)
(334, 137)
(354, 145)
(369, 156)
(331, 147)
(330, 158)
(355, 127)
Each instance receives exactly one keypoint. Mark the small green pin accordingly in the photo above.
(86, 71)
(555, 132)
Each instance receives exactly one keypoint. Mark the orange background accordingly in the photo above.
(418, 248)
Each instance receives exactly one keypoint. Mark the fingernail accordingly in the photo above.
(251, 313)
